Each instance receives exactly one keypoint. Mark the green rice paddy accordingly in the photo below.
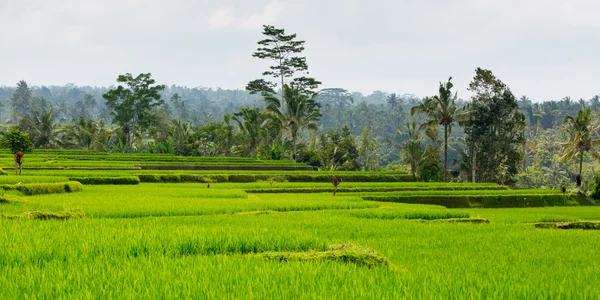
(188, 240)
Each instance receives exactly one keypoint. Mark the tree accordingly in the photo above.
(430, 168)
(84, 134)
(494, 128)
(16, 141)
(338, 151)
(412, 150)
(250, 121)
(299, 112)
(131, 104)
(368, 149)
(44, 128)
(334, 102)
(21, 101)
(181, 133)
(283, 50)
(441, 109)
(583, 136)
(393, 101)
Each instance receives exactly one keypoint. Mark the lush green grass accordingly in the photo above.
(464, 193)
(12, 179)
(210, 256)
(184, 240)
(147, 200)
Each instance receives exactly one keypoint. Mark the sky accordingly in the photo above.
(545, 49)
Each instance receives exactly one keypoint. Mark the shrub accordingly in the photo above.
(219, 178)
(189, 178)
(30, 189)
(73, 186)
(242, 178)
(488, 201)
(148, 178)
(107, 180)
(596, 189)
(170, 178)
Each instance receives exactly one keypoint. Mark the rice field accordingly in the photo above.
(188, 240)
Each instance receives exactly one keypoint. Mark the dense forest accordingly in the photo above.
(493, 136)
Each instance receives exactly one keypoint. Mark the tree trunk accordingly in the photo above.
(580, 171)
(445, 153)
(281, 63)
(294, 142)
(492, 149)
(474, 166)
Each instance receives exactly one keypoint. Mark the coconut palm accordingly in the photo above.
(250, 121)
(84, 134)
(299, 112)
(441, 110)
(44, 129)
(393, 101)
(412, 149)
(583, 132)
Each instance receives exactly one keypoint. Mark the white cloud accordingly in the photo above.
(225, 18)
(268, 16)
(221, 18)
(546, 49)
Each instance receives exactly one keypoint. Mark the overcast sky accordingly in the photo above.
(546, 49)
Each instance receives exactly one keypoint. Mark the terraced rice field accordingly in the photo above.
(279, 240)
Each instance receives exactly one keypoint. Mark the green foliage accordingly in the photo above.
(441, 110)
(30, 189)
(303, 190)
(494, 128)
(487, 201)
(583, 133)
(242, 178)
(596, 188)
(131, 103)
(430, 169)
(250, 122)
(413, 149)
(107, 180)
(283, 50)
(41, 127)
(338, 151)
(16, 140)
(294, 113)
(368, 149)
(21, 101)
(85, 134)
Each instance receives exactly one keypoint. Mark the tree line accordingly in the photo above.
(492, 137)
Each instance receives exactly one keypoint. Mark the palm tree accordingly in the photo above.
(441, 110)
(250, 121)
(393, 101)
(583, 132)
(84, 134)
(412, 150)
(299, 112)
(44, 128)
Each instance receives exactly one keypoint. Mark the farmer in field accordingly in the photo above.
(19, 163)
